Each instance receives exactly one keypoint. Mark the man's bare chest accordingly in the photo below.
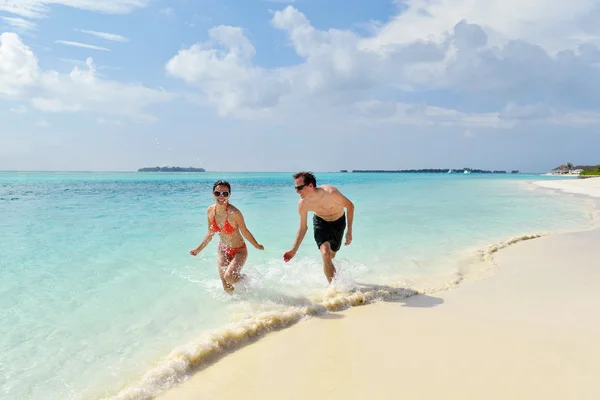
(325, 206)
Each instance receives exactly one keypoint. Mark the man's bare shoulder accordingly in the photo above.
(302, 204)
(329, 188)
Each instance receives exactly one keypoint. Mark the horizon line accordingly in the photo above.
(264, 172)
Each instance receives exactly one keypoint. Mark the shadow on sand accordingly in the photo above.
(276, 297)
(400, 295)
(385, 293)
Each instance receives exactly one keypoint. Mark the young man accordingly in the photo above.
(329, 219)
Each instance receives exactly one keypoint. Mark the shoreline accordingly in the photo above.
(185, 362)
(237, 371)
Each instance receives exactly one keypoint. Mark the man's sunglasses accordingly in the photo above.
(300, 187)
(217, 194)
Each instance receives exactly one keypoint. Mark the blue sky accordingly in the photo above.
(260, 85)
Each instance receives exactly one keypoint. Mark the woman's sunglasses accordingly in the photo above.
(217, 194)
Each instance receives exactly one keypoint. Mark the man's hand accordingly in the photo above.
(288, 255)
(348, 238)
(195, 251)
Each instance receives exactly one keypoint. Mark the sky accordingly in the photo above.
(321, 85)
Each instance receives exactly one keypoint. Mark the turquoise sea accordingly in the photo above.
(99, 297)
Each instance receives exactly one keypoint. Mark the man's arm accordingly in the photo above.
(300, 234)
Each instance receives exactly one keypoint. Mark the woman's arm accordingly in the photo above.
(239, 219)
(207, 238)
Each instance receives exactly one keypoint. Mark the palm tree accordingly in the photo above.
(570, 166)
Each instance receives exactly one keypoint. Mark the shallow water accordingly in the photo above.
(97, 287)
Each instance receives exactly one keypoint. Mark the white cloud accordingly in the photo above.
(167, 11)
(544, 113)
(399, 113)
(73, 61)
(422, 115)
(18, 65)
(332, 59)
(518, 70)
(544, 22)
(83, 63)
(80, 91)
(82, 45)
(20, 23)
(53, 105)
(463, 62)
(471, 74)
(223, 70)
(18, 110)
(103, 35)
(40, 8)
(103, 121)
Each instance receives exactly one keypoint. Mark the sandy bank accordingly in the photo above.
(590, 187)
(532, 331)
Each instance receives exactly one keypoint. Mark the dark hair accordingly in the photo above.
(308, 177)
(222, 183)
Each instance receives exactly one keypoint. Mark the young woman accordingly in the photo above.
(228, 221)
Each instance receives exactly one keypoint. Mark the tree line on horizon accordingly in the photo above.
(171, 169)
(586, 169)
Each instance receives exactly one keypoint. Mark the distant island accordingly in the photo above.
(434, 171)
(171, 169)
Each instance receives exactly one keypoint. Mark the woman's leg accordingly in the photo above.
(222, 264)
(232, 274)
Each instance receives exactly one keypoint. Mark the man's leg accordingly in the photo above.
(328, 255)
(337, 235)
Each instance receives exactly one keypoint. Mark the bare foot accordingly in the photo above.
(228, 288)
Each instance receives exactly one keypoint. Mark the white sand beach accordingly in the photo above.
(589, 186)
(531, 331)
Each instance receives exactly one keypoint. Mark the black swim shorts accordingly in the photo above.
(329, 231)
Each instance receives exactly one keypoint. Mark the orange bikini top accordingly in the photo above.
(227, 228)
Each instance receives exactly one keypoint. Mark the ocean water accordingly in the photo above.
(99, 297)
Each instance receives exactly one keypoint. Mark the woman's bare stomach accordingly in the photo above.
(232, 241)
